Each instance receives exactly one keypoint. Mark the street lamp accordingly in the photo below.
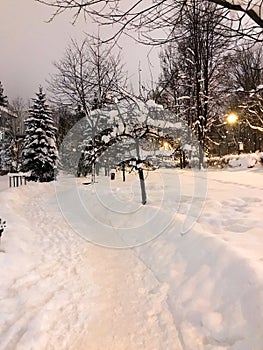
(166, 146)
(232, 118)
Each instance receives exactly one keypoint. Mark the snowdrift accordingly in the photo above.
(215, 294)
(240, 161)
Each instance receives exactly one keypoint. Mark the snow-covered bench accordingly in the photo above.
(16, 179)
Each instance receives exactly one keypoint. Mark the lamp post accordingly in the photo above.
(232, 120)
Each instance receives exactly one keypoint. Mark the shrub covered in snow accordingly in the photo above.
(246, 160)
(214, 162)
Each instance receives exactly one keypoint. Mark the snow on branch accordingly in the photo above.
(130, 121)
(254, 127)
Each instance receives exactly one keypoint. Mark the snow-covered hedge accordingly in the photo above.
(245, 160)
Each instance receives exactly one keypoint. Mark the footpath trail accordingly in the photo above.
(79, 296)
(131, 306)
(47, 285)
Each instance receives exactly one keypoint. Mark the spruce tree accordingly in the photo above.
(39, 154)
(3, 98)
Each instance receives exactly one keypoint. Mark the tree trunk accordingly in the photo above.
(140, 172)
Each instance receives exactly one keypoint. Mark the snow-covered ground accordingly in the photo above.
(191, 279)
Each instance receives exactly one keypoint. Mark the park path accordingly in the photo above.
(70, 294)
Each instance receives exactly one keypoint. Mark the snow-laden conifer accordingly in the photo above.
(39, 155)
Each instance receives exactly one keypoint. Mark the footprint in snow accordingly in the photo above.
(237, 228)
(234, 202)
(252, 199)
(238, 225)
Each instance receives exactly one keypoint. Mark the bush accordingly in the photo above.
(245, 160)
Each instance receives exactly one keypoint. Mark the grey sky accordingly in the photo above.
(29, 46)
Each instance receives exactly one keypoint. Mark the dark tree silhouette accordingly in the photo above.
(146, 17)
(87, 77)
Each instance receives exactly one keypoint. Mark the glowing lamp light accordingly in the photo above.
(232, 118)
(166, 146)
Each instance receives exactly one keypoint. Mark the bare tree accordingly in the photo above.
(20, 108)
(148, 17)
(246, 98)
(87, 78)
(192, 67)
(253, 9)
(247, 68)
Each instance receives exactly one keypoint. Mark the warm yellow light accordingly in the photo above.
(232, 118)
(166, 146)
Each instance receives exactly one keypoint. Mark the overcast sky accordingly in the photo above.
(29, 46)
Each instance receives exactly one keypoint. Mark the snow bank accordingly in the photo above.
(215, 271)
(215, 295)
(241, 161)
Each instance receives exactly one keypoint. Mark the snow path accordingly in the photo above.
(74, 295)
(52, 286)
(132, 306)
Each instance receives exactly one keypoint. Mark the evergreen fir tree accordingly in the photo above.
(39, 154)
(9, 157)
(3, 98)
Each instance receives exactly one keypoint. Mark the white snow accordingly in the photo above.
(243, 160)
(202, 289)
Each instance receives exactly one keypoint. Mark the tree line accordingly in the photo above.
(211, 66)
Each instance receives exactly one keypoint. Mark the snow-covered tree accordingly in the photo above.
(3, 98)
(9, 159)
(7, 134)
(246, 100)
(130, 120)
(39, 154)
(192, 66)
